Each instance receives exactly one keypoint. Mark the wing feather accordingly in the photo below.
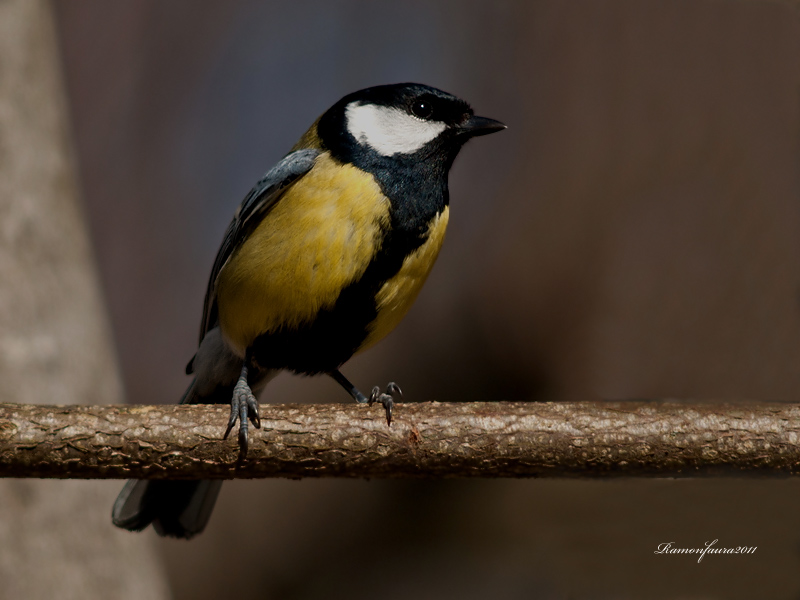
(261, 199)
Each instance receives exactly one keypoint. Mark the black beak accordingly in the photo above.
(475, 126)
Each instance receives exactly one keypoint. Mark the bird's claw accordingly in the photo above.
(385, 398)
(393, 389)
(244, 407)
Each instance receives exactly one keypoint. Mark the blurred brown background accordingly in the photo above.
(634, 233)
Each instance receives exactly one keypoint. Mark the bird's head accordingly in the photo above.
(405, 120)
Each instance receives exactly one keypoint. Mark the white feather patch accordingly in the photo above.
(389, 130)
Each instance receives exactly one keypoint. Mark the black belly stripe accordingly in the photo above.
(335, 334)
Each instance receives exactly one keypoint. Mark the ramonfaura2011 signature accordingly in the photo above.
(668, 548)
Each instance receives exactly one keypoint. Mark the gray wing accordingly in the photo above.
(253, 209)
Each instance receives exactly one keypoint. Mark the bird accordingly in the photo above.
(323, 258)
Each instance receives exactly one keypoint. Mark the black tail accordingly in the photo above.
(175, 508)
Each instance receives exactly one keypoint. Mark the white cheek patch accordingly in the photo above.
(389, 130)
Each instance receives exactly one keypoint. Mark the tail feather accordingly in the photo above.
(178, 509)
(175, 508)
(190, 396)
(182, 508)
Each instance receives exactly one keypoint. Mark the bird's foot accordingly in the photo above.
(386, 398)
(244, 407)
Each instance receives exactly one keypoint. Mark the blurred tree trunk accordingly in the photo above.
(56, 538)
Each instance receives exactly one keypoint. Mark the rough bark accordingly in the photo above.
(56, 539)
(426, 440)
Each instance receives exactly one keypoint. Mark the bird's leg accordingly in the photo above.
(244, 406)
(386, 399)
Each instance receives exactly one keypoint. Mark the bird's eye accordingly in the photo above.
(422, 109)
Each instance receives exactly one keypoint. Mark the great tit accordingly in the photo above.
(323, 258)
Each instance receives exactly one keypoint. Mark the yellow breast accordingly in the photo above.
(396, 296)
(319, 237)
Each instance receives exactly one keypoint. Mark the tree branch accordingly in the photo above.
(484, 439)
